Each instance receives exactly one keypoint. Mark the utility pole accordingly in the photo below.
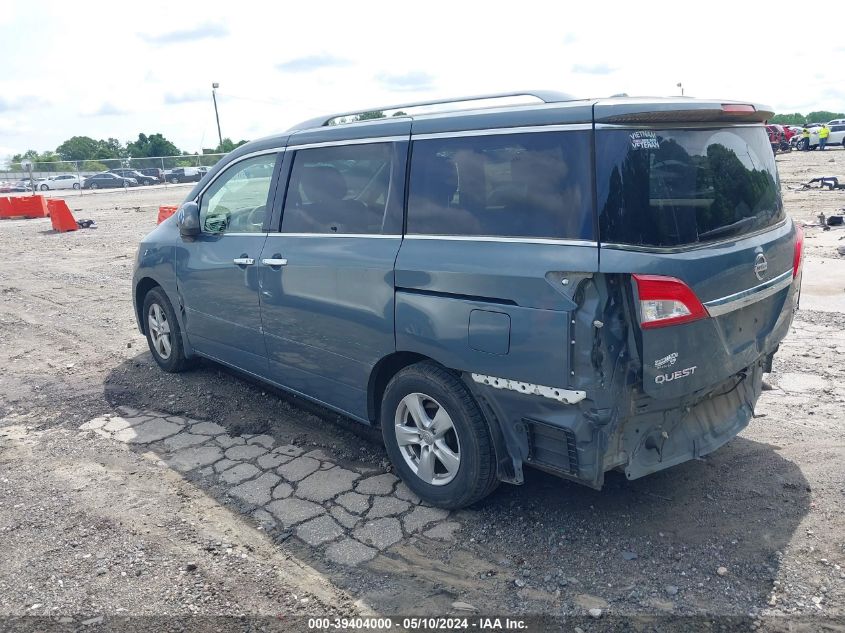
(214, 88)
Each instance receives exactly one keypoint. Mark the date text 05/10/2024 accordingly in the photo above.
(418, 623)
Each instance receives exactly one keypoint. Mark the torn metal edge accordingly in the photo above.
(567, 396)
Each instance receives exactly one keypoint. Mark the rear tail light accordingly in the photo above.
(666, 301)
(799, 251)
(738, 108)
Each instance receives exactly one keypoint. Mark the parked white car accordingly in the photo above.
(836, 137)
(64, 181)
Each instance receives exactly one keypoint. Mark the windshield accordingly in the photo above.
(670, 188)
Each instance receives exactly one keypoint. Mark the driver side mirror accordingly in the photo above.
(188, 219)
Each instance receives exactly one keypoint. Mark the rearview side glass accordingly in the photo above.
(528, 185)
(236, 202)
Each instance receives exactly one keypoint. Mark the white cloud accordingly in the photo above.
(286, 62)
(192, 34)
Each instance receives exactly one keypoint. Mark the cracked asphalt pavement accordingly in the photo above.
(347, 514)
(127, 491)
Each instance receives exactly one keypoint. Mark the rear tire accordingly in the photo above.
(437, 438)
(94, 185)
(44, 188)
(164, 336)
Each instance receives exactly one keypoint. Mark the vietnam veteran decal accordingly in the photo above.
(644, 139)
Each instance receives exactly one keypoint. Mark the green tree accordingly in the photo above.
(823, 116)
(111, 148)
(29, 154)
(372, 114)
(78, 148)
(87, 148)
(226, 146)
(153, 145)
(92, 165)
(44, 161)
(796, 118)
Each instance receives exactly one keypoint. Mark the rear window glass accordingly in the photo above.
(670, 188)
(534, 185)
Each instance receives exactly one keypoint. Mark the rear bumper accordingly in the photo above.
(640, 435)
(659, 439)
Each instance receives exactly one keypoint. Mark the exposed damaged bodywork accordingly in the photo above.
(567, 396)
(622, 423)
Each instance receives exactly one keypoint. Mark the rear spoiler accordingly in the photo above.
(652, 111)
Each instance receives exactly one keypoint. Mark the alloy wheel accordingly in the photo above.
(427, 439)
(159, 331)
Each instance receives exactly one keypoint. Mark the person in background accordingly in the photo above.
(805, 139)
(824, 132)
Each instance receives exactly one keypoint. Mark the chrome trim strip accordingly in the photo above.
(693, 247)
(518, 240)
(743, 298)
(377, 236)
(674, 125)
(504, 130)
(351, 141)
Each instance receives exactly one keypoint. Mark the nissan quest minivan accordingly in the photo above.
(572, 285)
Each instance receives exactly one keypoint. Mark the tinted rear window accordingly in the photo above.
(682, 187)
(534, 185)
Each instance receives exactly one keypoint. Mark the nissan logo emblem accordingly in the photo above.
(760, 266)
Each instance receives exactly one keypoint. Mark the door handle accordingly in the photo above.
(275, 261)
(243, 261)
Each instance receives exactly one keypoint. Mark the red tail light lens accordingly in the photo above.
(666, 301)
(738, 108)
(799, 251)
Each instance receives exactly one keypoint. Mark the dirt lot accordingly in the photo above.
(118, 498)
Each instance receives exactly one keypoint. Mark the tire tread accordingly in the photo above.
(177, 362)
(487, 479)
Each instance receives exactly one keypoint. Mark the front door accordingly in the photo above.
(217, 272)
(327, 276)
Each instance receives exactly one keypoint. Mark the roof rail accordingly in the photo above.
(546, 96)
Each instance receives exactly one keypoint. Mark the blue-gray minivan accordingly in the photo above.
(573, 285)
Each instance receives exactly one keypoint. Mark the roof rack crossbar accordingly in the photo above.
(546, 96)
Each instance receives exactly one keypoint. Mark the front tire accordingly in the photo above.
(76, 185)
(94, 185)
(174, 180)
(164, 336)
(437, 438)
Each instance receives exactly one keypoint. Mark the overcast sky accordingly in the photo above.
(116, 69)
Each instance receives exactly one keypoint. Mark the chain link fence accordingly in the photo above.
(56, 175)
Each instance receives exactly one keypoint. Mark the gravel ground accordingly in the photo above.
(121, 494)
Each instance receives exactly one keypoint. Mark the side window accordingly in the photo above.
(237, 201)
(337, 190)
(534, 185)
